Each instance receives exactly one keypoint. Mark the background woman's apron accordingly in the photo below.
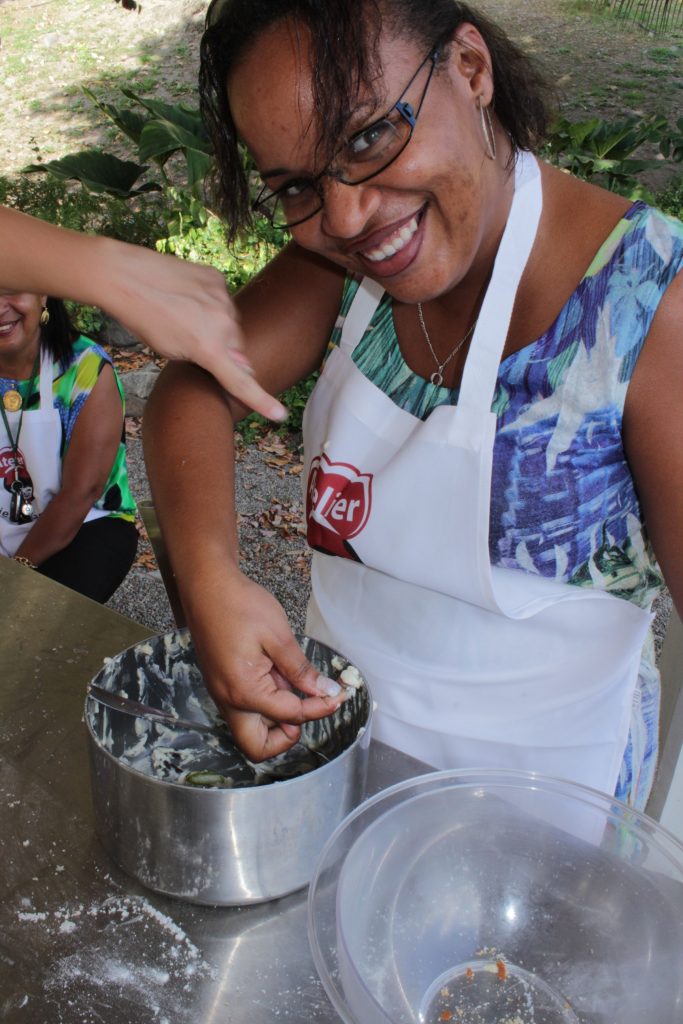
(40, 452)
(471, 665)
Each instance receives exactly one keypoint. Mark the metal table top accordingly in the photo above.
(81, 942)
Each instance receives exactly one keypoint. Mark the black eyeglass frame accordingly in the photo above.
(405, 110)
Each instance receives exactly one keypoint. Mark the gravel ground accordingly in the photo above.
(270, 507)
(142, 595)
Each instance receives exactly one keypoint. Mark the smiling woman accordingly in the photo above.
(65, 506)
(491, 486)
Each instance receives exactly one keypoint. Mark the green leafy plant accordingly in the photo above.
(88, 320)
(53, 199)
(98, 172)
(603, 151)
(672, 146)
(239, 262)
(159, 132)
(670, 199)
(295, 398)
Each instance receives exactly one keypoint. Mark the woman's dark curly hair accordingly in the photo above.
(59, 334)
(339, 29)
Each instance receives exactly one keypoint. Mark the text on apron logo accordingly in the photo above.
(338, 500)
(11, 470)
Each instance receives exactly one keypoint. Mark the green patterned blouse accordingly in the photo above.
(71, 386)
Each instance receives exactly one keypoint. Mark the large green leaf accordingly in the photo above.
(619, 139)
(126, 120)
(98, 172)
(565, 134)
(177, 113)
(161, 138)
(604, 139)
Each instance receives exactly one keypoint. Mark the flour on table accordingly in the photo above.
(121, 951)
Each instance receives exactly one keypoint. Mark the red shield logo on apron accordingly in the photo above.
(12, 469)
(338, 500)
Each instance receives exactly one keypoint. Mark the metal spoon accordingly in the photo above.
(119, 702)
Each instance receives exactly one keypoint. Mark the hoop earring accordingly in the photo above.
(487, 129)
(45, 317)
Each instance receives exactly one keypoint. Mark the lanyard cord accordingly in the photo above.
(14, 441)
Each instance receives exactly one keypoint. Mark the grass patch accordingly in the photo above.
(587, 8)
(663, 55)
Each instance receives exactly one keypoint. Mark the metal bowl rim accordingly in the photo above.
(218, 790)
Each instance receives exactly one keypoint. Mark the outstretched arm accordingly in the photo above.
(181, 310)
(244, 642)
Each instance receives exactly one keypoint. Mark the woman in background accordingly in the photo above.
(65, 504)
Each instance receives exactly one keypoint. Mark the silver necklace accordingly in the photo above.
(437, 377)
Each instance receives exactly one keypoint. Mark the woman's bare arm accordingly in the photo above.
(182, 310)
(244, 641)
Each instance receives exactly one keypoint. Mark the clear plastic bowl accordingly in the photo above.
(486, 897)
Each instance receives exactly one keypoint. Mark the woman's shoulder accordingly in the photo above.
(80, 374)
(352, 283)
(587, 217)
(85, 348)
(83, 351)
(646, 242)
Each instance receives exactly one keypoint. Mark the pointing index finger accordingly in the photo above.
(233, 372)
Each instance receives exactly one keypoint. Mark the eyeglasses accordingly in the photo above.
(367, 153)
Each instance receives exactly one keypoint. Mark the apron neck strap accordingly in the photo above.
(46, 380)
(364, 303)
(483, 360)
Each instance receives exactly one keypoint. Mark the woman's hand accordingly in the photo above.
(250, 661)
(183, 311)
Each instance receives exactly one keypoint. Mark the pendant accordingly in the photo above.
(21, 504)
(436, 379)
(12, 400)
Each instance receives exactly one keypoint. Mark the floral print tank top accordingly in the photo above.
(563, 501)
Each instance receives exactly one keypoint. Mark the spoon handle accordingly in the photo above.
(118, 702)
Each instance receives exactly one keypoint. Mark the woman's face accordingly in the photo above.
(422, 224)
(20, 325)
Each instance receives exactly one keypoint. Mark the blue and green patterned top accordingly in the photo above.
(563, 501)
(71, 387)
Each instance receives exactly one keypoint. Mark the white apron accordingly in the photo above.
(471, 665)
(39, 451)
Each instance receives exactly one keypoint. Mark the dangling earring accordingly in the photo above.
(45, 317)
(487, 129)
